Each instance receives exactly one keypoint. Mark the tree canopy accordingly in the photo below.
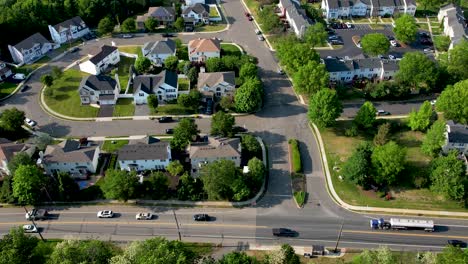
(128, 25)
(248, 97)
(453, 102)
(153, 101)
(87, 251)
(381, 138)
(375, 44)
(293, 54)
(171, 63)
(142, 64)
(27, 184)
(324, 108)
(421, 120)
(222, 124)
(457, 60)
(316, 35)
(12, 119)
(405, 28)
(448, 176)
(310, 78)
(183, 133)
(388, 161)
(175, 168)
(16, 247)
(219, 178)
(357, 168)
(365, 117)
(119, 185)
(269, 20)
(106, 25)
(417, 70)
(434, 139)
(21, 158)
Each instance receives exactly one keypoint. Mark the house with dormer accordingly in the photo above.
(165, 16)
(30, 49)
(164, 85)
(9, 149)
(197, 13)
(99, 90)
(108, 56)
(158, 51)
(68, 30)
(199, 50)
(456, 138)
(148, 153)
(217, 84)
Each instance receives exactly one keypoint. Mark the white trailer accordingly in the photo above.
(398, 223)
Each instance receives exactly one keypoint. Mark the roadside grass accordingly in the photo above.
(214, 12)
(386, 20)
(173, 109)
(110, 147)
(124, 107)
(201, 249)
(131, 49)
(210, 28)
(261, 255)
(253, 6)
(66, 46)
(28, 68)
(123, 71)
(300, 198)
(65, 98)
(295, 156)
(6, 89)
(230, 49)
(184, 84)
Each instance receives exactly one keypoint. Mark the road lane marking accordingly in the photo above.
(401, 234)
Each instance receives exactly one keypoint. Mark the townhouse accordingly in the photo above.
(334, 9)
(68, 30)
(295, 15)
(370, 68)
(455, 25)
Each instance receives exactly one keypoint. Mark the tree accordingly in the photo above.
(256, 172)
(442, 43)
(388, 161)
(218, 178)
(316, 35)
(357, 168)
(142, 64)
(375, 43)
(386, 90)
(222, 124)
(294, 54)
(381, 138)
(179, 24)
(448, 176)
(82, 251)
(237, 258)
(383, 255)
(421, 120)
(128, 25)
(452, 101)
(158, 184)
(189, 188)
(175, 168)
(248, 70)
(269, 20)
(42, 140)
(192, 74)
(429, 3)
(106, 25)
(434, 139)
(227, 102)
(365, 117)
(284, 255)
(27, 184)
(452, 255)
(417, 70)
(248, 97)
(21, 158)
(16, 247)
(47, 80)
(310, 78)
(183, 133)
(191, 100)
(6, 191)
(153, 101)
(12, 119)
(151, 23)
(214, 65)
(324, 108)
(56, 73)
(406, 28)
(231, 63)
(67, 187)
(119, 185)
(251, 146)
(171, 63)
(457, 60)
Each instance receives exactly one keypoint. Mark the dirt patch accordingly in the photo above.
(369, 193)
(298, 183)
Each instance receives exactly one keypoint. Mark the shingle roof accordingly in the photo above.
(98, 82)
(167, 46)
(335, 65)
(28, 43)
(219, 148)
(8, 149)
(106, 50)
(204, 45)
(211, 79)
(140, 151)
(69, 151)
(296, 13)
(368, 63)
(456, 20)
(162, 13)
(75, 21)
(149, 83)
(198, 8)
(390, 65)
(457, 133)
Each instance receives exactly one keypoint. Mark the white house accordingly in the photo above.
(199, 50)
(158, 51)
(389, 69)
(455, 26)
(149, 155)
(5, 71)
(98, 89)
(217, 83)
(164, 85)
(456, 138)
(213, 150)
(370, 68)
(197, 13)
(334, 9)
(8, 150)
(193, 2)
(108, 56)
(70, 156)
(68, 30)
(30, 49)
(295, 15)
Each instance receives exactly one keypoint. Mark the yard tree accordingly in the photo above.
(316, 35)
(421, 120)
(189, 188)
(150, 24)
(179, 24)
(256, 172)
(375, 43)
(310, 78)
(218, 178)
(82, 251)
(237, 258)
(284, 255)
(230, 62)
(6, 191)
(222, 124)
(453, 102)
(16, 247)
(417, 70)
(106, 25)
(21, 158)
(357, 169)
(251, 146)
(457, 60)
(269, 20)
(119, 185)
(153, 101)
(67, 188)
(128, 25)
(42, 140)
(227, 102)
(248, 97)
(452, 255)
(294, 54)
(442, 43)
(171, 62)
(448, 176)
(27, 184)
(381, 138)
(382, 255)
(248, 70)
(406, 28)
(183, 133)
(324, 107)
(192, 74)
(159, 184)
(214, 65)
(195, 98)
(142, 64)
(12, 119)
(388, 161)
(47, 80)
(365, 117)
(56, 72)
(240, 190)
(184, 100)
(434, 139)
(175, 168)
(429, 3)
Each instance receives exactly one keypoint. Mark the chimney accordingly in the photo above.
(202, 69)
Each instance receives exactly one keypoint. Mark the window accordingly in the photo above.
(141, 94)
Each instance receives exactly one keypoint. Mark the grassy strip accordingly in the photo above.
(230, 49)
(131, 50)
(124, 70)
(173, 109)
(112, 146)
(124, 107)
(6, 89)
(295, 156)
(300, 197)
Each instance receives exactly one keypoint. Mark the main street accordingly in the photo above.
(282, 118)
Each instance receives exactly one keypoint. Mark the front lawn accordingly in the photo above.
(131, 49)
(28, 68)
(124, 107)
(214, 12)
(112, 146)
(230, 49)
(66, 46)
(210, 28)
(173, 109)
(64, 98)
(184, 84)
(6, 89)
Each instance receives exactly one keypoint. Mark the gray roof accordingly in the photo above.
(458, 133)
(140, 151)
(106, 50)
(167, 46)
(335, 65)
(75, 21)
(69, 151)
(391, 65)
(456, 20)
(149, 83)
(161, 13)
(296, 13)
(98, 82)
(216, 148)
(211, 79)
(8, 149)
(28, 43)
(198, 8)
(368, 63)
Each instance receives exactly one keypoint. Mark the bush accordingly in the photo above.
(352, 131)
(300, 197)
(295, 156)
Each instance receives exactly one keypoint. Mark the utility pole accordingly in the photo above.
(339, 237)
(32, 220)
(177, 224)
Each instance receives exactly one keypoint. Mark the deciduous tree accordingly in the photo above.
(453, 102)
(421, 120)
(310, 78)
(82, 251)
(159, 184)
(106, 25)
(237, 258)
(269, 20)
(357, 168)
(150, 24)
(183, 133)
(434, 139)
(142, 64)
(375, 43)
(171, 63)
(128, 25)
(448, 176)
(248, 97)
(119, 185)
(16, 247)
(388, 161)
(27, 184)
(452, 255)
(248, 70)
(316, 35)
(381, 138)
(222, 124)
(406, 28)
(175, 168)
(21, 158)
(153, 101)
(365, 117)
(442, 43)
(457, 60)
(179, 24)
(251, 146)
(324, 108)
(190, 188)
(12, 119)
(256, 172)
(42, 140)
(218, 178)
(417, 70)
(47, 80)
(214, 65)
(294, 54)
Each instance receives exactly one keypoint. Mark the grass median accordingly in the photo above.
(295, 156)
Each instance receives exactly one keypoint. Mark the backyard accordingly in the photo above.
(123, 71)
(6, 88)
(184, 84)
(112, 146)
(131, 49)
(124, 107)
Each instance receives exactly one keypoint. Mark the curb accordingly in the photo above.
(258, 26)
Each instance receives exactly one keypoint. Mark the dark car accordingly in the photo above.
(168, 35)
(165, 119)
(284, 232)
(74, 49)
(25, 88)
(457, 243)
(247, 14)
(89, 36)
(250, 18)
(169, 131)
(425, 42)
(201, 217)
(336, 42)
(239, 129)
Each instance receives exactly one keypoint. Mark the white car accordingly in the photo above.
(105, 214)
(261, 38)
(30, 229)
(428, 50)
(359, 45)
(433, 102)
(348, 25)
(258, 32)
(392, 57)
(393, 43)
(144, 216)
(19, 76)
(30, 122)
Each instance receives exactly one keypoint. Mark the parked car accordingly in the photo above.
(30, 122)
(250, 18)
(74, 49)
(380, 56)
(336, 42)
(89, 36)
(126, 36)
(105, 214)
(280, 71)
(457, 243)
(425, 42)
(261, 38)
(382, 112)
(394, 43)
(247, 14)
(144, 216)
(165, 119)
(29, 228)
(239, 129)
(424, 35)
(169, 131)
(283, 232)
(167, 35)
(433, 102)
(348, 25)
(333, 37)
(19, 76)
(428, 50)
(25, 88)
(392, 57)
(201, 217)
(258, 32)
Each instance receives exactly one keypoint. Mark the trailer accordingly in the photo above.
(402, 224)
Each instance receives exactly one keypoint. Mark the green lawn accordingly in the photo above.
(295, 156)
(436, 31)
(300, 197)
(230, 49)
(124, 70)
(28, 68)
(110, 147)
(6, 89)
(423, 26)
(66, 46)
(214, 12)
(65, 98)
(124, 107)
(131, 49)
(253, 6)
(209, 28)
(173, 109)
(386, 19)
(184, 84)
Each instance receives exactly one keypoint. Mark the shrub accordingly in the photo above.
(352, 131)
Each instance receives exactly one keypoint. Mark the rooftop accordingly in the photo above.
(457, 133)
(98, 82)
(69, 151)
(106, 50)
(204, 45)
(65, 25)
(211, 79)
(34, 39)
(216, 147)
(141, 151)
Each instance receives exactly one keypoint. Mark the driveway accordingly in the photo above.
(106, 111)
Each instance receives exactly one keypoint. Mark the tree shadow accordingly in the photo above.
(55, 129)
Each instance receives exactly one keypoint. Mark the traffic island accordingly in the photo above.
(298, 181)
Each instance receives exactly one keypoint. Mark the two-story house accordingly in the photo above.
(158, 51)
(98, 89)
(5, 71)
(339, 70)
(369, 68)
(455, 25)
(218, 84)
(197, 13)
(193, 2)
(68, 30)
(213, 150)
(108, 56)
(199, 50)
(70, 156)
(146, 154)
(295, 15)
(9, 149)
(164, 85)
(30, 49)
(165, 16)
(334, 9)
(456, 138)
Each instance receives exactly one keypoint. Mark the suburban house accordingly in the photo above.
(193, 2)
(68, 30)
(5, 72)
(98, 89)
(164, 15)
(164, 85)
(30, 49)
(295, 16)
(8, 150)
(456, 138)
(217, 83)
(202, 153)
(334, 9)
(370, 68)
(199, 50)
(147, 154)
(158, 51)
(197, 13)
(455, 25)
(106, 57)
(71, 156)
